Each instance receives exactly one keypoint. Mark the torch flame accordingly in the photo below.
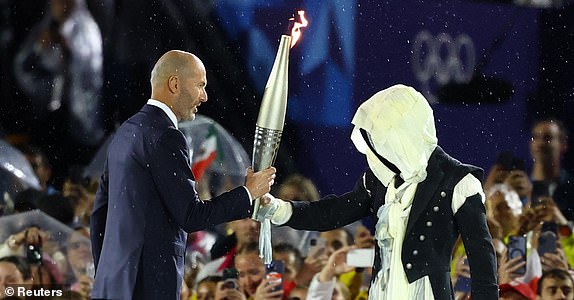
(296, 31)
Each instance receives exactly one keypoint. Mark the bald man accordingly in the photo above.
(146, 202)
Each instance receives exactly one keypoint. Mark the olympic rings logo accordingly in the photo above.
(443, 58)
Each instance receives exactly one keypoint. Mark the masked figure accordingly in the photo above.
(420, 198)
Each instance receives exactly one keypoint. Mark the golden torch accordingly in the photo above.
(270, 122)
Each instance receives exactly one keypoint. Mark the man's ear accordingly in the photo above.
(173, 84)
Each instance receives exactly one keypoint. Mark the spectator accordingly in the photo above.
(41, 166)
(226, 293)
(81, 191)
(252, 274)
(516, 292)
(292, 261)
(13, 270)
(298, 188)
(509, 173)
(241, 232)
(555, 284)
(324, 284)
(60, 67)
(15, 243)
(206, 288)
(245, 231)
(79, 256)
(547, 148)
(336, 239)
(250, 267)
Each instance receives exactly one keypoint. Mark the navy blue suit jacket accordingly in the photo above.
(145, 205)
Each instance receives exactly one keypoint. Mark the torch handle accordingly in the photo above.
(265, 146)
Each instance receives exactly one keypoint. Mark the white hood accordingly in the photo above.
(400, 125)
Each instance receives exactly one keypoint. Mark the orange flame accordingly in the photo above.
(296, 31)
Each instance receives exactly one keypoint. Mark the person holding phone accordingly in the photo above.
(552, 256)
(227, 287)
(323, 283)
(548, 146)
(420, 198)
(206, 287)
(508, 268)
(313, 262)
(252, 275)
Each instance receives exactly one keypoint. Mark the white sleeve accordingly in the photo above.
(320, 290)
(466, 187)
(249, 194)
(283, 213)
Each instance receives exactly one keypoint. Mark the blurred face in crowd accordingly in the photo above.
(41, 168)
(335, 240)
(289, 192)
(79, 252)
(206, 290)
(288, 259)
(556, 288)
(246, 231)
(547, 144)
(251, 272)
(9, 274)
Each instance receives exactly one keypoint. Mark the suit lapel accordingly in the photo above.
(426, 189)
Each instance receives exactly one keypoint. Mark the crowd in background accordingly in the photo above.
(531, 204)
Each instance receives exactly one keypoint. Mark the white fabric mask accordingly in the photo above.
(400, 124)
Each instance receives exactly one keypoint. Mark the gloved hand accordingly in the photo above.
(268, 205)
(275, 209)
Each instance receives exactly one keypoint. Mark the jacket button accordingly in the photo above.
(443, 194)
(429, 223)
(409, 266)
(435, 209)
(422, 237)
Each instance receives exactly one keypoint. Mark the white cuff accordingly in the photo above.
(283, 213)
(249, 194)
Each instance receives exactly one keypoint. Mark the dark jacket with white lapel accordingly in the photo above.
(432, 228)
(144, 207)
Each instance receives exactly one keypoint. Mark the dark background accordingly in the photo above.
(523, 70)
